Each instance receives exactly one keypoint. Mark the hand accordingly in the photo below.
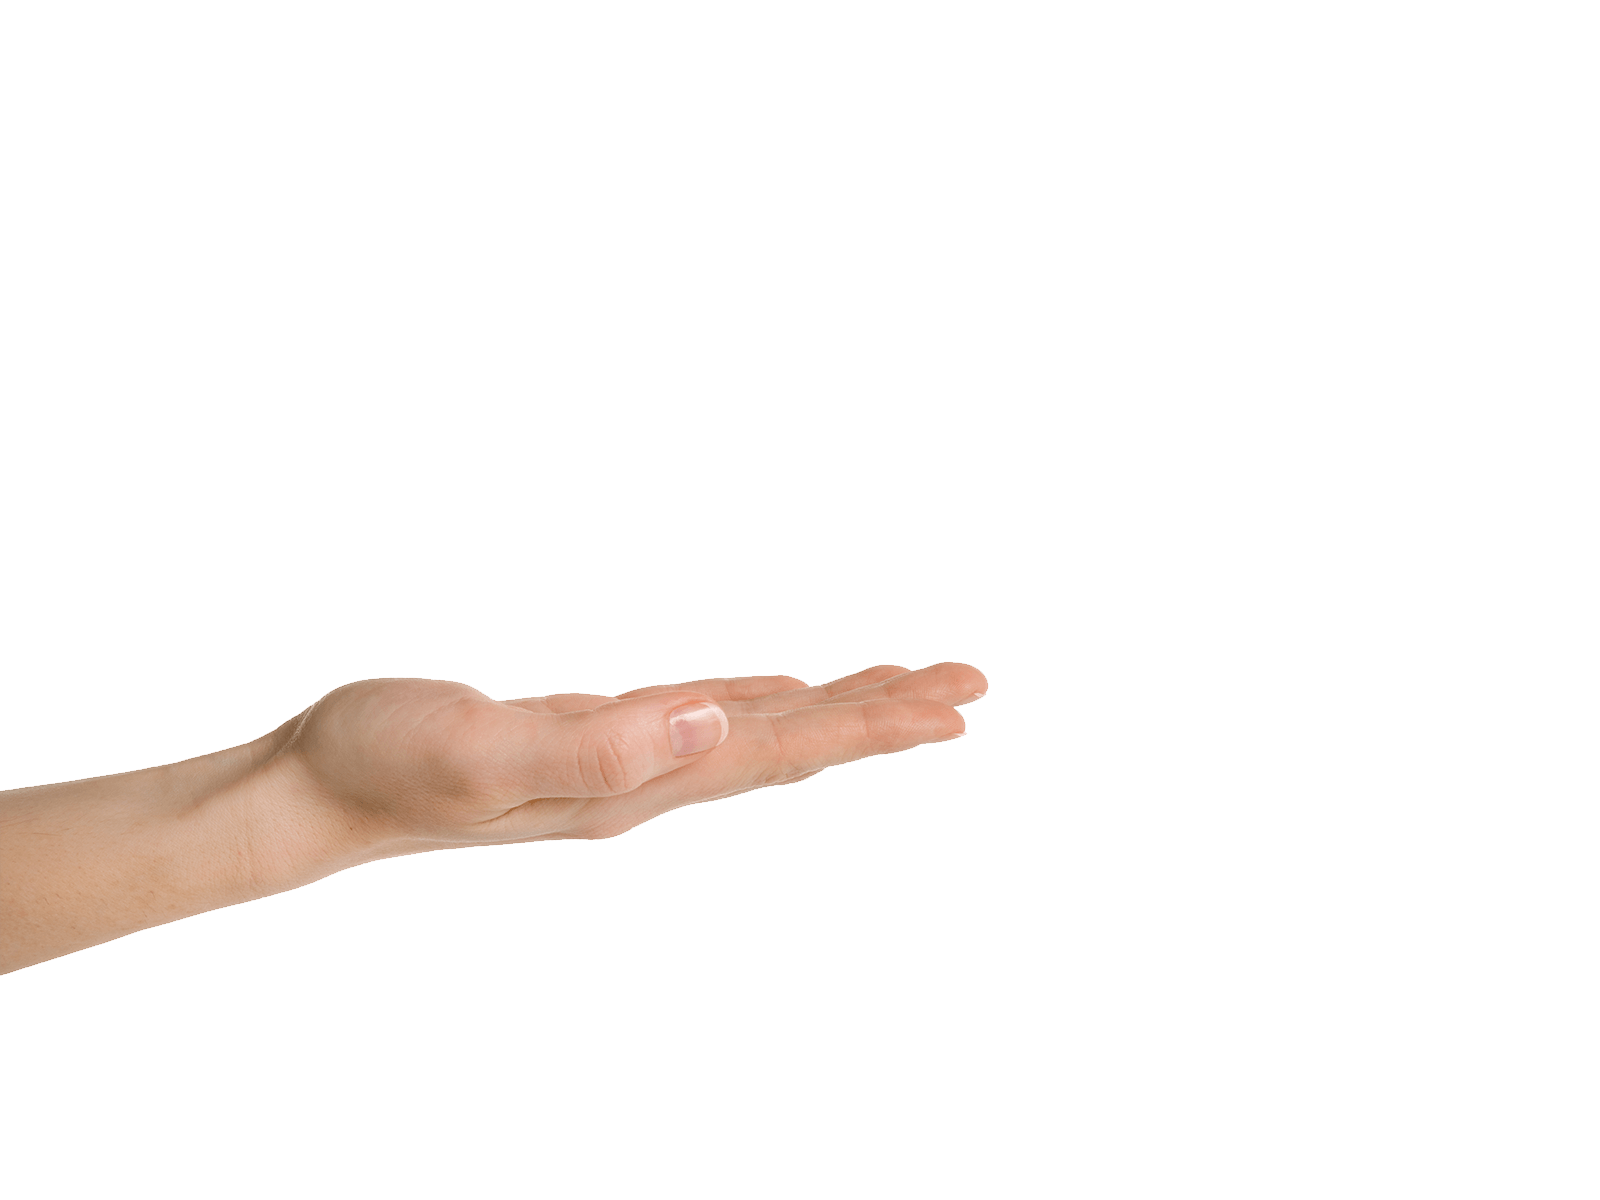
(411, 764)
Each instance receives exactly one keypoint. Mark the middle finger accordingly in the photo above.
(948, 683)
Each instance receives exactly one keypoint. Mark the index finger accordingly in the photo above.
(761, 687)
(744, 687)
(728, 688)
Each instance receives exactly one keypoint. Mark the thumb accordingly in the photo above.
(619, 746)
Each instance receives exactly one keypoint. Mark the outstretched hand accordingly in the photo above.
(416, 764)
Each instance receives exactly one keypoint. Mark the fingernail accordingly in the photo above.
(975, 696)
(696, 727)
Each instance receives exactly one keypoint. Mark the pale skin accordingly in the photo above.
(399, 766)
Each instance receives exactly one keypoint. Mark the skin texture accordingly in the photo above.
(400, 766)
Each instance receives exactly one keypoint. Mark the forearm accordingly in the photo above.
(85, 862)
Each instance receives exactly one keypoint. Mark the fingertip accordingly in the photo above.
(971, 682)
(951, 723)
(949, 730)
(912, 721)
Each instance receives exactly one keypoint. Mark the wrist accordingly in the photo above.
(85, 862)
(289, 830)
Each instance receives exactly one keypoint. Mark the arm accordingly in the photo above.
(82, 863)
(400, 766)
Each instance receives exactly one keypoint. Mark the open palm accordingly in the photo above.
(421, 764)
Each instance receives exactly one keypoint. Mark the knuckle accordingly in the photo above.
(607, 763)
(778, 765)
